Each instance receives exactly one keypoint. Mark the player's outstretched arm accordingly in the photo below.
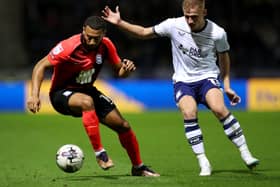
(224, 64)
(136, 30)
(33, 101)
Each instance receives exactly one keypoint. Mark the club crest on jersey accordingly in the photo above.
(98, 59)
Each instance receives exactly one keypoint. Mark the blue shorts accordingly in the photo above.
(197, 89)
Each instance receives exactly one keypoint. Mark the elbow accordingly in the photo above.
(146, 33)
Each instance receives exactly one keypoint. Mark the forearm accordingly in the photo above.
(38, 76)
(136, 30)
(37, 79)
(225, 74)
(226, 81)
(224, 64)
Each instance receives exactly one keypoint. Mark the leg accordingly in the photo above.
(128, 140)
(232, 129)
(82, 103)
(193, 133)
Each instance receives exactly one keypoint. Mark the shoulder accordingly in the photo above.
(66, 47)
(172, 21)
(167, 27)
(72, 42)
(216, 30)
(215, 27)
(107, 42)
(110, 50)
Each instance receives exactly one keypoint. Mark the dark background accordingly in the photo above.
(30, 28)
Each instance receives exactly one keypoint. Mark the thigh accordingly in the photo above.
(115, 121)
(185, 97)
(103, 105)
(71, 101)
(109, 114)
(59, 100)
(215, 101)
(182, 89)
(206, 86)
(188, 107)
(94, 98)
(79, 102)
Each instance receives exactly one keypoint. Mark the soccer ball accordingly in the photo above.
(69, 158)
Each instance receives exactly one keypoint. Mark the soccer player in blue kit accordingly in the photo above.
(197, 43)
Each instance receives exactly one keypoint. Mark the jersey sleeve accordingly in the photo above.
(164, 28)
(222, 44)
(112, 54)
(59, 53)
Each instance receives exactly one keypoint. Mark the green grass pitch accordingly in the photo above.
(29, 142)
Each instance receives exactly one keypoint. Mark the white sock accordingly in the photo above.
(194, 136)
(201, 156)
(243, 147)
(233, 130)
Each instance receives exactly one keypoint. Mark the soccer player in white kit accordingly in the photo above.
(196, 43)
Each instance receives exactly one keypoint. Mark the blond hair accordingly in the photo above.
(190, 3)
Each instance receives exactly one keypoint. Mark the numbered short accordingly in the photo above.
(197, 89)
(103, 104)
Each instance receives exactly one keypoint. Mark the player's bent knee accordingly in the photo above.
(86, 103)
(123, 127)
(220, 112)
(189, 115)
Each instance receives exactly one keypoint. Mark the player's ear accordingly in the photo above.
(83, 31)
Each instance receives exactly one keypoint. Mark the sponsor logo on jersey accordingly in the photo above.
(85, 77)
(196, 52)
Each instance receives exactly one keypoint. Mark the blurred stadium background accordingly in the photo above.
(30, 28)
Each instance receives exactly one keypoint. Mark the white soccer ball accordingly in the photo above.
(70, 158)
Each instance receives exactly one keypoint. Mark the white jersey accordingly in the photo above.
(194, 54)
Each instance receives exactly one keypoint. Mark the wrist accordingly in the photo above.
(35, 95)
(120, 22)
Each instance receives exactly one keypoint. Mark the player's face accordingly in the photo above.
(91, 37)
(194, 16)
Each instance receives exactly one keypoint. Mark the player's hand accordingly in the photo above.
(33, 104)
(128, 65)
(233, 97)
(110, 16)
